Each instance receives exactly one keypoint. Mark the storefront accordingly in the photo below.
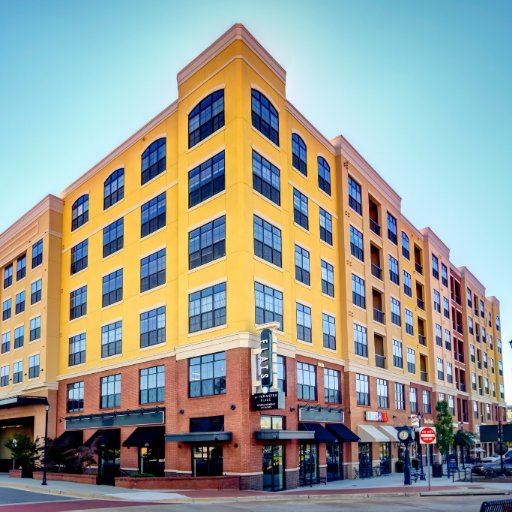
(150, 444)
(369, 435)
(106, 444)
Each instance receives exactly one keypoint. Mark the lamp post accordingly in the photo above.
(420, 450)
(47, 407)
(14, 445)
(461, 446)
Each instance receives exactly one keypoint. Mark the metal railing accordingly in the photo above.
(380, 361)
(378, 315)
(375, 226)
(376, 271)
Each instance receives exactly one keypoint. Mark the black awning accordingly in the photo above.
(20, 401)
(70, 439)
(143, 436)
(321, 434)
(109, 437)
(283, 435)
(199, 437)
(342, 432)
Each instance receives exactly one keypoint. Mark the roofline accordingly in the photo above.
(465, 272)
(430, 236)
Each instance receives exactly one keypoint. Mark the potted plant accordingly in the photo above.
(25, 452)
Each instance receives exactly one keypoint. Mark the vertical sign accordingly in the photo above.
(265, 358)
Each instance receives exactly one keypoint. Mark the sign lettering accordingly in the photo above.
(265, 358)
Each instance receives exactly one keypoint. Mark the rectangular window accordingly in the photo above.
(300, 209)
(358, 293)
(325, 226)
(437, 301)
(113, 237)
(79, 256)
(439, 337)
(35, 291)
(426, 402)
(327, 278)
(392, 229)
(111, 339)
(395, 312)
(302, 265)
(78, 303)
(19, 337)
(449, 373)
(37, 254)
(207, 308)
(406, 246)
(17, 374)
(152, 270)
(444, 274)
(413, 400)
(6, 309)
(469, 297)
(435, 266)
(303, 323)
(332, 393)
(446, 308)
(110, 391)
(360, 340)
(354, 195)
(440, 369)
(152, 327)
(152, 215)
(447, 339)
(269, 305)
(399, 396)
(20, 303)
(207, 243)
(398, 360)
(306, 381)
(267, 241)
(7, 276)
(34, 364)
(112, 288)
(362, 389)
(393, 270)
(411, 360)
(470, 324)
(6, 342)
(266, 178)
(35, 328)
(207, 375)
(4, 376)
(407, 284)
(152, 385)
(206, 180)
(356, 243)
(77, 349)
(21, 267)
(75, 394)
(409, 322)
(281, 373)
(329, 331)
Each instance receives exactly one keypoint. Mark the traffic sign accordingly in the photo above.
(428, 435)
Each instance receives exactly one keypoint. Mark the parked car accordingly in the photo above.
(494, 468)
(496, 458)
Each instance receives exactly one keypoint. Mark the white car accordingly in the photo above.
(495, 457)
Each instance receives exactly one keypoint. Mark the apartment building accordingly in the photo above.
(226, 213)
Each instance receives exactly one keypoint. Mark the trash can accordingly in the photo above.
(437, 470)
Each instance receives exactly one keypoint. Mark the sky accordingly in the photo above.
(421, 89)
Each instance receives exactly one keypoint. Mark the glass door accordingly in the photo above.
(365, 460)
(273, 468)
(308, 464)
(385, 458)
(207, 460)
(334, 456)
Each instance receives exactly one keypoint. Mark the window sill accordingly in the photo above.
(145, 292)
(208, 200)
(105, 210)
(110, 306)
(262, 260)
(149, 347)
(114, 356)
(266, 199)
(206, 265)
(206, 331)
(153, 232)
(152, 180)
(203, 141)
(302, 228)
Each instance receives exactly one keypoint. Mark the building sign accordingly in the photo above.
(265, 401)
(265, 358)
(376, 416)
(415, 420)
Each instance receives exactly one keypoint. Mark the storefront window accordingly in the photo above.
(365, 460)
(207, 460)
(273, 467)
(308, 464)
(334, 458)
(385, 458)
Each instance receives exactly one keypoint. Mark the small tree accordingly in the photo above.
(24, 451)
(463, 440)
(444, 427)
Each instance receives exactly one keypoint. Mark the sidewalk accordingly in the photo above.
(389, 485)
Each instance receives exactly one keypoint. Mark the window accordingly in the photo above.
(299, 154)
(482, 314)
(354, 195)
(7, 276)
(78, 303)
(21, 267)
(362, 389)
(325, 226)
(152, 384)
(395, 312)
(152, 270)
(439, 337)
(112, 288)
(111, 339)
(19, 337)
(300, 209)
(302, 265)
(306, 381)
(35, 291)
(207, 375)
(411, 360)
(17, 374)
(444, 274)
(332, 393)
(4, 376)
(266, 178)
(500, 368)
(269, 305)
(77, 349)
(440, 369)
(356, 243)
(413, 399)
(206, 118)
(33, 366)
(405, 246)
(446, 307)
(281, 373)
(472, 353)
(437, 301)
(206, 180)
(153, 160)
(20, 303)
(399, 396)
(75, 394)
(264, 116)
(426, 402)
(392, 229)
(360, 340)
(447, 339)
(324, 175)
(382, 394)
(6, 309)
(37, 254)
(484, 338)
(498, 346)
(473, 380)
(207, 308)
(35, 328)
(393, 270)
(327, 271)
(498, 326)
(6, 342)
(470, 325)
(152, 327)
(113, 189)
(80, 212)
(79, 256)
(303, 322)
(469, 297)
(110, 391)
(207, 243)
(358, 294)
(398, 361)
(409, 322)
(435, 266)
(113, 237)
(152, 215)
(449, 373)
(407, 284)
(267, 241)
(329, 331)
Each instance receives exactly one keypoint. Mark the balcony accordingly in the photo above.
(418, 268)
(375, 227)
(462, 387)
(376, 271)
(380, 361)
(459, 328)
(461, 358)
(422, 339)
(421, 303)
(378, 315)
(424, 376)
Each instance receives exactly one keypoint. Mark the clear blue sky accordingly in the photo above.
(421, 89)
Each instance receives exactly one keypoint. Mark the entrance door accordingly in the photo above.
(108, 465)
(385, 458)
(273, 468)
(365, 460)
(207, 460)
(308, 464)
(334, 456)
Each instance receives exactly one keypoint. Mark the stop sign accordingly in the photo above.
(428, 435)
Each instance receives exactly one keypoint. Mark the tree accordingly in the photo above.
(24, 451)
(444, 427)
(463, 440)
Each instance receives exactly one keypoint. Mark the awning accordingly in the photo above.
(143, 436)
(390, 432)
(283, 435)
(199, 437)
(322, 435)
(342, 432)
(371, 434)
(108, 437)
(20, 401)
(70, 438)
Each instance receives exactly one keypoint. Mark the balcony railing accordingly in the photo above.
(423, 339)
(380, 361)
(418, 268)
(459, 328)
(461, 358)
(377, 271)
(378, 315)
(375, 226)
(424, 376)
(462, 387)
(420, 303)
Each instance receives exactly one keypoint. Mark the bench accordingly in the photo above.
(415, 475)
(496, 506)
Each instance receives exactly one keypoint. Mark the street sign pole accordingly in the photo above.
(429, 468)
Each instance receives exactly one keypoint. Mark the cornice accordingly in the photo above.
(433, 239)
(468, 275)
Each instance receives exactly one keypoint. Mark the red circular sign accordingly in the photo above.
(428, 435)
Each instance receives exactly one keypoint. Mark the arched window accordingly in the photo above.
(113, 189)
(206, 118)
(324, 175)
(153, 160)
(264, 116)
(80, 212)
(299, 154)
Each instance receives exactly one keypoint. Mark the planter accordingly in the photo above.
(15, 473)
(179, 482)
(67, 477)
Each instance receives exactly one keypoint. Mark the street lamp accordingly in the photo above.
(14, 445)
(461, 445)
(47, 407)
(420, 454)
